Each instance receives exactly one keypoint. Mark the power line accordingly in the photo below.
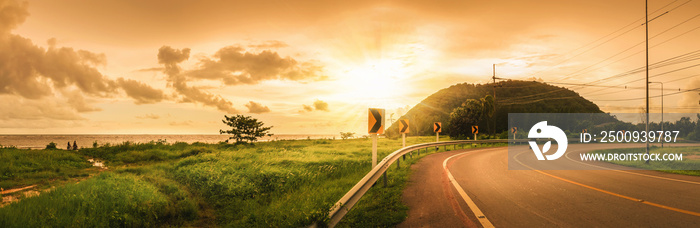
(641, 98)
(604, 86)
(687, 57)
(633, 54)
(633, 46)
(666, 62)
(538, 100)
(665, 107)
(692, 76)
(657, 75)
(603, 37)
(620, 91)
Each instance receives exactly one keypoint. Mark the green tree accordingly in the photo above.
(487, 105)
(464, 117)
(245, 129)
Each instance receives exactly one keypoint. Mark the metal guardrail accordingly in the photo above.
(351, 197)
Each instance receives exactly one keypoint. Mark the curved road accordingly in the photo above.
(546, 198)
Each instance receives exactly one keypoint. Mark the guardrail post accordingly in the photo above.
(385, 179)
(404, 157)
(398, 163)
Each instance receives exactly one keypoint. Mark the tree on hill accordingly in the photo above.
(464, 117)
(245, 129)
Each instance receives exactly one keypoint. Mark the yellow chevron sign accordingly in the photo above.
(375, 121)
(403, 126)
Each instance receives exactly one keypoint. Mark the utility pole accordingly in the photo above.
(662, 111)
(493, 120)
(646, 40)
(494, 88)
(494, 100)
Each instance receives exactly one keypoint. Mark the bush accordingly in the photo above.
(51, 146)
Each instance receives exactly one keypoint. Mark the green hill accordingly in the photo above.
(511, 97)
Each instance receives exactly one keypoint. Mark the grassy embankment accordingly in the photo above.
(279, 184)
(689, 165)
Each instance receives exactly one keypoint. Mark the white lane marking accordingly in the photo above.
(639, 174)
(475, 209)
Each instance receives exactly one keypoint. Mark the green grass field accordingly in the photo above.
(28, 167)
(270, 184)
(689, 166)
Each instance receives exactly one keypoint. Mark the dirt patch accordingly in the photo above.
(692, 157)
(97, 163)
(9, 191)
(8, 199)
(16, 194)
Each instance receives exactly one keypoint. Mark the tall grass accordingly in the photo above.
(108, 200)
(134, 153)
(26, 167)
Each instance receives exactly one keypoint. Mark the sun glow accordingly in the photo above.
(377, 82)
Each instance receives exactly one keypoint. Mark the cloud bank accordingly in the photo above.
(233, 65)
(171, 58)
(36, 75)
(34, 72)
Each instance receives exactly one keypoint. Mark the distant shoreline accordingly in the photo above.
(36, 141)
(160, 134)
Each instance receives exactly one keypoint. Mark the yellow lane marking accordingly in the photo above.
(611, 193)
(640, 174)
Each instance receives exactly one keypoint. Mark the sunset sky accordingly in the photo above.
(314, 67)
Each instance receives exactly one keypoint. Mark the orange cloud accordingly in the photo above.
(142, 93)
(32, 72)
(233, 65)
(321, 105)
(257, 108)
(170, 58)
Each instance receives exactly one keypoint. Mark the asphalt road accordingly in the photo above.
(545, 198)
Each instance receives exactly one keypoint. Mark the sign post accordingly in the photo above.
(403, 140)
(375, 127)
(475, 130)
(403, 129)
(437, 128)
(515, 131)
